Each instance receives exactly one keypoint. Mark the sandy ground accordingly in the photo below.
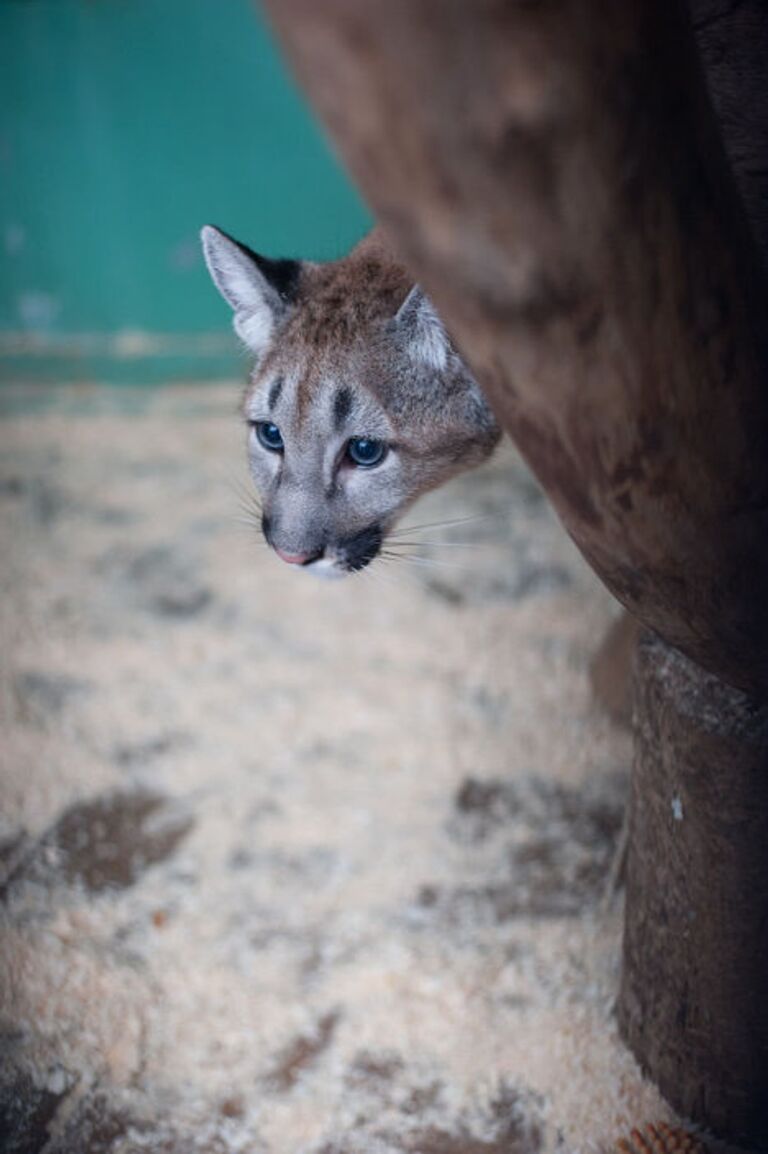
(289, 865)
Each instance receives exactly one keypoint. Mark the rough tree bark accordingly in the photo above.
(732, 43)
(552, 174)
(692, 1001)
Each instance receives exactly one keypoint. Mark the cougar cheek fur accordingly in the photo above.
(357, 402)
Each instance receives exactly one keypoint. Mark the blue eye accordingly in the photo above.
(366, 452)
(269, 436)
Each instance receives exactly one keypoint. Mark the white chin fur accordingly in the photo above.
(326, 568)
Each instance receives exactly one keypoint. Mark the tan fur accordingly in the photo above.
(337, 302)
(337, 299)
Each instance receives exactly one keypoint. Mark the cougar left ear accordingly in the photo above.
(259, 290)
(422, 330)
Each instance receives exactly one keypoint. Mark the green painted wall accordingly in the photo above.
(124, 126)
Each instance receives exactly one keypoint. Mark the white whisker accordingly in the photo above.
(251, 526)
(382, 562)
(440, 544)
(409, 529)
(428, 562)
(247, 497)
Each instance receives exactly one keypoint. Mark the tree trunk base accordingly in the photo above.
(693, 1003)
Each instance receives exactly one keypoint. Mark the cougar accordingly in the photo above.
(357, 402)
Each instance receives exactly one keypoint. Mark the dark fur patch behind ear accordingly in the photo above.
(281, 273)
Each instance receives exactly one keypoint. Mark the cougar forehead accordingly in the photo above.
(336, 302)
(333, 338)
(309, 399)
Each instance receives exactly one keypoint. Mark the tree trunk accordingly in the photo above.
(552, 174)
(732, 43)
(692, 1000)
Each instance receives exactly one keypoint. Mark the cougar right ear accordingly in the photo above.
(259, 290)
(423, 332)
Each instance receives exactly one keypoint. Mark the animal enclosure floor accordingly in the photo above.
(293, 866)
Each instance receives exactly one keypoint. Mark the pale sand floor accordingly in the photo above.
(291, 865)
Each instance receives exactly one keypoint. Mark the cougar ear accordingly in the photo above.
(422, 330)
(259, 290)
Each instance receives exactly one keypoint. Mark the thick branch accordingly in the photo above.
(551, 174)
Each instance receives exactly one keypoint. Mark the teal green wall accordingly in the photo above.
(124, 126)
